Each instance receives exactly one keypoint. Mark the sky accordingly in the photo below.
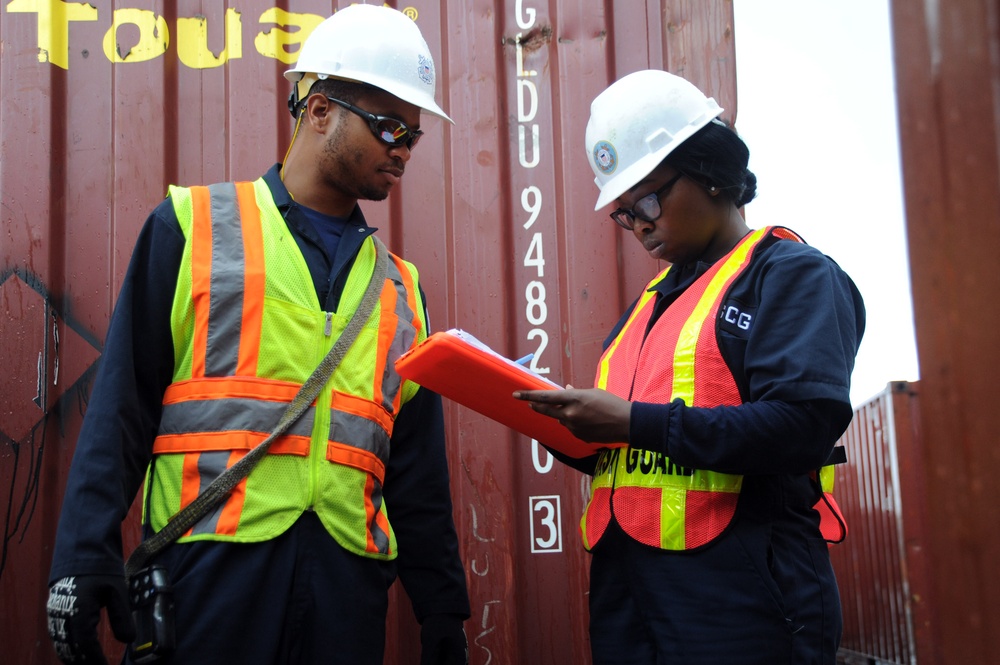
(817, 107)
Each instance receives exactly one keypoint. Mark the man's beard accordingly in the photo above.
(338, 160)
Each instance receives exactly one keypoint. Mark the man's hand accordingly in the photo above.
(592, 415)
(74, 609)
(443, 641)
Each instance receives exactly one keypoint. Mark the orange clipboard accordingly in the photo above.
(458, 366)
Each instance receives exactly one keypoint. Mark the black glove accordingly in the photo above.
(442, 641)
(74, 608)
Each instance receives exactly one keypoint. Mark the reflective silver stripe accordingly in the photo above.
(401, 341)
(228, 414)
(353, 430)
(228, 266)
(379, 537)
(210, 465)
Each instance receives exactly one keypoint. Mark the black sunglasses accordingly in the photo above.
(387, 130)
(647, 208)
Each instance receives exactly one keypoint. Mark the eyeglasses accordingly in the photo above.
(647, 208)
(387, 130)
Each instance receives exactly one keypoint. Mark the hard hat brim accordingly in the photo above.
(642, 167)
(411, 97)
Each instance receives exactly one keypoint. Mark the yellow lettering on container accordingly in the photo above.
(154, 37)
(192, 41)
(53, 25)
(284, 45)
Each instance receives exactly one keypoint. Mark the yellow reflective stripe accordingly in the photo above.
(606, 464)
(649, 469)
(646, 296)
(826, 478)
(687, 341)
(673, 506)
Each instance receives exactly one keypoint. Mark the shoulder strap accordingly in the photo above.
(220, 488)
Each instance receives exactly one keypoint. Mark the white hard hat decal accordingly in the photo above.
(605, 157)
(425, 70)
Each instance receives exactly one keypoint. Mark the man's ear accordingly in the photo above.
(319, 112)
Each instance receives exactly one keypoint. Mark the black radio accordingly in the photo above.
(152, 600)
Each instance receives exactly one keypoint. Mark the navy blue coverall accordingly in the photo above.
(764, 592)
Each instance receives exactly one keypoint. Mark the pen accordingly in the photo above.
(524, 360)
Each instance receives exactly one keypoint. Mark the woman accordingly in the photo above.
(729, 380)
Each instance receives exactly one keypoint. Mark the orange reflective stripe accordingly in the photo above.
(253, 280)
(202, 442)
(370, 545)
(386, 335)
(201, 274)
(383, 525)
(229, 518)
(373, 517)
(231, 386)
(356, 458)
(362, 407)
(411, 292)
(190, 481)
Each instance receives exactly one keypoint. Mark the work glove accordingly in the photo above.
(442, 641)
(74, 609)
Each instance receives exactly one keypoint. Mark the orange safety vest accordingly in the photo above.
(656, 501)
(248, 331)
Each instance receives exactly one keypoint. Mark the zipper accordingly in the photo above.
(317, 454)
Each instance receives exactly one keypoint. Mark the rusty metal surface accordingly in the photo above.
(878, 576)
(949, 122)
(102, 105)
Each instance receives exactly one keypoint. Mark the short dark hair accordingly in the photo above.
(716, 156)
(345, 91)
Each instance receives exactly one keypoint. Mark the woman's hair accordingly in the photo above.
(716, 156)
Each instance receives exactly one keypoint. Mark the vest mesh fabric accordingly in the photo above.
(598, 518)
(707, 514)
(642, 522)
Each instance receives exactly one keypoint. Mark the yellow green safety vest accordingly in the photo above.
(248, 330)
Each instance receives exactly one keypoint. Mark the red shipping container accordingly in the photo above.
(105, 104)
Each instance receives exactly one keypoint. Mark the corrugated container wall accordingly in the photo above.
(881, 569)
(947, 60)
(102, 105)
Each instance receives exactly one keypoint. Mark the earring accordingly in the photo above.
(713, 189)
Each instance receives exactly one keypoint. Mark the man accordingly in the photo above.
(234, 294)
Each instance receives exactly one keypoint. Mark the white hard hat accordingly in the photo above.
(636, 122)
(375, 45)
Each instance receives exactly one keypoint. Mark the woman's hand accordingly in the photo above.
(592, 415)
